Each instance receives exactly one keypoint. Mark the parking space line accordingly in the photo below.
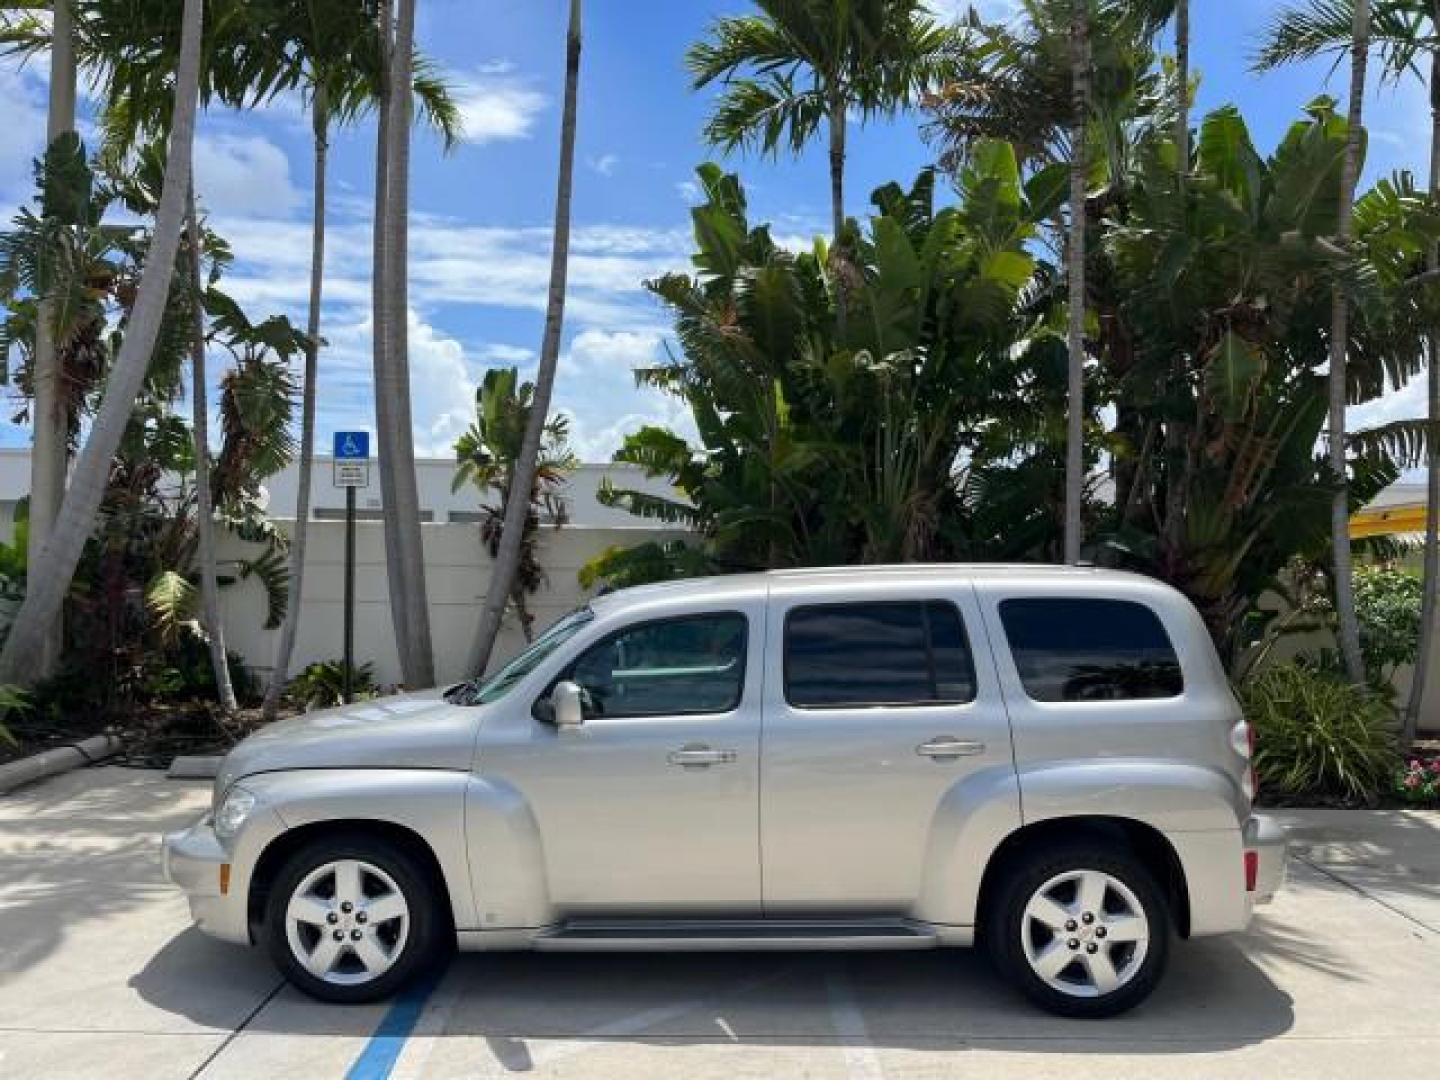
(861, 1061)
(378, 1058)
(433, 1022)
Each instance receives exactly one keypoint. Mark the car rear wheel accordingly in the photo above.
(1082, 930)
(352, 919)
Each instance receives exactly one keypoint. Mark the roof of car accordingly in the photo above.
(737, 584)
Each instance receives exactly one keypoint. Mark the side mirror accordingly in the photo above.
(565, 700)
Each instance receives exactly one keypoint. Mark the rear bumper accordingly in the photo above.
(1266, 837)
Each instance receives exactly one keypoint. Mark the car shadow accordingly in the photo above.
(1214, 997)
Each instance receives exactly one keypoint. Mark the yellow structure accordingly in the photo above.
(1388, 520)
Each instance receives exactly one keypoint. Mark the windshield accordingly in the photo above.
(500, 684)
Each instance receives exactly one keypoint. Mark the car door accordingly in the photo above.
(880, 702)
(651, 806)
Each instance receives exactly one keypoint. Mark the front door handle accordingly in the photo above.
(696, 756)
(947, 748)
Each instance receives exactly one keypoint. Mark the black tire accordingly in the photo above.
(1004, 926)
(425, 936)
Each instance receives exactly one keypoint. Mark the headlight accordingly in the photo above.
(234, 809)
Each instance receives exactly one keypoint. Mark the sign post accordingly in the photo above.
(351, 471)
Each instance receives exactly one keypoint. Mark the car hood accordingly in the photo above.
(408, 731)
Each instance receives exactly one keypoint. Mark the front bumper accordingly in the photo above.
(192, 859)
(1266, 837)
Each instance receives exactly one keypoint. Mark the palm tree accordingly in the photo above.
(801, 64)
(485, 457)
(1403, 31)
(204, 512)
(1075, 258)
(330, 35)
(50, 456)
(50, 575)
(517, 504)
(1344, 570)
(405, 557)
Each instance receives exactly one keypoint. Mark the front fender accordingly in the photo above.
(428, 802)
(510, 883)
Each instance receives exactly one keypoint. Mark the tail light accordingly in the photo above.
(1242, 741)
(1252, 870)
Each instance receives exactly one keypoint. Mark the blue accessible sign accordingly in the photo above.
(352, 445)
(352, 459)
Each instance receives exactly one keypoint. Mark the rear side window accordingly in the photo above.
(1090, 650)
(858, 655)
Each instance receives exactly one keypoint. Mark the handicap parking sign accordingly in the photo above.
(352, 445)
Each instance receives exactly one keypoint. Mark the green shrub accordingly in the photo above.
(1387, 604)
(12, 700)
(1318, 735)
(322, 684)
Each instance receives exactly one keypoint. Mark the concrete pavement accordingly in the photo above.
(101, 976)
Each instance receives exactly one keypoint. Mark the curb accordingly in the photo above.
(57, 760)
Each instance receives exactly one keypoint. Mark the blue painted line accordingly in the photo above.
(383, 1050)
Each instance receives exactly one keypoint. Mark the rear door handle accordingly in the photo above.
(944, 747)
(700, 757)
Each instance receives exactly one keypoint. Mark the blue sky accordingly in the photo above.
(481, 215)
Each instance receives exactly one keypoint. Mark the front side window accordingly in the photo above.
(673, 667)
(1090, 650)
(501, 683)
(909, 652)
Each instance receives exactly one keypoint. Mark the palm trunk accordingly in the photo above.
(1182, 78)
(837, 208)
(1430, 606)
(1075, 427)
(49, 457)
(383, 342)
(1173, 529)
(204, 515)
(1349, 626)
(397, 439)
(50, 575)
(285, 648)
(517, 500)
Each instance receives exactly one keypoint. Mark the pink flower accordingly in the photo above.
(1412, 781)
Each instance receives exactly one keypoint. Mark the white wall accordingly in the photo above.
(457, 572)
(433, 477)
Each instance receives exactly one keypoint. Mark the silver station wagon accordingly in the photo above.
(1046, 760)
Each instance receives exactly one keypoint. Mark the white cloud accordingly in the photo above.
(614, 350)
(244, 176)
(25, 110)
(689, 191)
(495, 105)
(990, 10)
(605, 164)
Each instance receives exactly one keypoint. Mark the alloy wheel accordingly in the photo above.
(347, 922)
(1085, 933)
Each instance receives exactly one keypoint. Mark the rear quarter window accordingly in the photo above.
(1090, 650)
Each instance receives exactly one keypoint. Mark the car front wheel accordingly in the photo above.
(352, 919)
(1083, 931)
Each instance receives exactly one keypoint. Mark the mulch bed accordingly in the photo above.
(150, 739)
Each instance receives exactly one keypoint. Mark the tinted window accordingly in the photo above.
(903, 653)
(670, 668)
(1090, 650)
